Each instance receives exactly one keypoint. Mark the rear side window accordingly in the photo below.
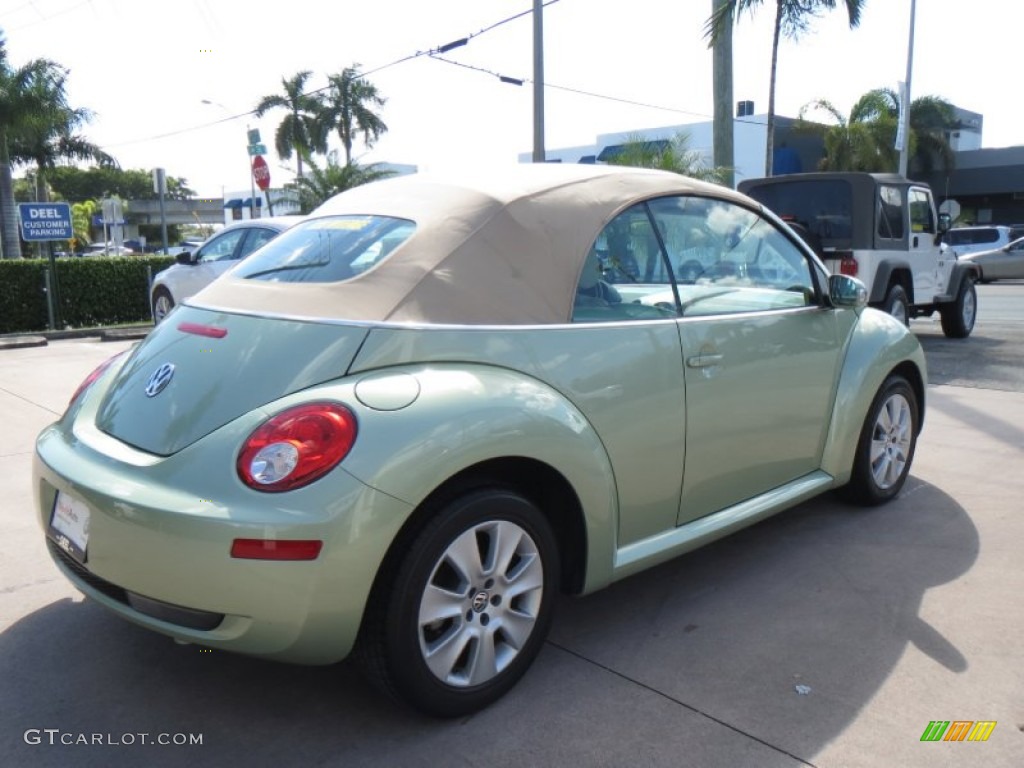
(327, 250)
(890, 212)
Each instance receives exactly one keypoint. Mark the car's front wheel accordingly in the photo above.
(887, 442)
(469, 606)
(163, 303)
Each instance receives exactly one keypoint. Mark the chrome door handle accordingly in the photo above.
(703, 361)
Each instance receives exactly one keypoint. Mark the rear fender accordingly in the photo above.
(884, 275)
(462, 415)
(878, 345)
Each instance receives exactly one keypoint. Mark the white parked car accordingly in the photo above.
(196, 270)
(108, 249)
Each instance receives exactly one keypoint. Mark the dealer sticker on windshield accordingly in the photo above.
(69, 525)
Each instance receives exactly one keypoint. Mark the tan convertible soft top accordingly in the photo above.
(495, 247)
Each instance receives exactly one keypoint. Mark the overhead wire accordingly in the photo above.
(363, 74)
(435, 53)
(580, 91)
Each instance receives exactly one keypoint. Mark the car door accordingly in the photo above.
(924, 254)
(1006, 263)
(211, 260)
(760, 355)
(256, 237)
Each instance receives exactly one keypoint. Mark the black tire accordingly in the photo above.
(897, 304)
(888, 439)
(406, 656)
(163, 303)
(958, 317)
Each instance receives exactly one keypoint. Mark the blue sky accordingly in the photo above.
(145, 66)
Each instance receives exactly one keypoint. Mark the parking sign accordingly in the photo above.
(45, 221)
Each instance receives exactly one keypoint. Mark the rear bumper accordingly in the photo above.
(160, 533)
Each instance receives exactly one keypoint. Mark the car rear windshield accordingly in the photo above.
(823, 207)
(327, 250)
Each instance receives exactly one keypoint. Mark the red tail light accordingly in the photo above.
(296, 447)
(847, 264)
(91, 378)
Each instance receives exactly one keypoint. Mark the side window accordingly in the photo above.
(626, 274)
(728, 259)
(222, 247)
(257, 237)
(921, 212)
(890, 212)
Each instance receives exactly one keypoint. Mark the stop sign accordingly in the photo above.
(260, 172)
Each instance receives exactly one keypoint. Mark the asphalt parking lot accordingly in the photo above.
(886, 619)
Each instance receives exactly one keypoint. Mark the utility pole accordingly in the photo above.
(538, 81)
(904, 128)
(722, 131)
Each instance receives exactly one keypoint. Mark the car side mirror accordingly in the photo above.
(945, 222)
(184, 258)
(846, 291)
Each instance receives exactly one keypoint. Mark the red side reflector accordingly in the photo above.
(274, 549)
(209, 331)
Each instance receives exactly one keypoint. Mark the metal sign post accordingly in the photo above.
(41, 222)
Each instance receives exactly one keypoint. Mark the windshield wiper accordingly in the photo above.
(287, 268)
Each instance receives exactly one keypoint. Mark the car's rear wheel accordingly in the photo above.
(958, 317)
(887, 442)
(897, 305)
(163, 303)
(468, 608)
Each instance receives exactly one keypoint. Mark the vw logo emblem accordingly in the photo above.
(159, 380)
(480, 601)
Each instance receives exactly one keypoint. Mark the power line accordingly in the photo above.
(580, 91)
(365, 73)
(53, 15)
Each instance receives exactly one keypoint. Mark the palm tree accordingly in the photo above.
(672, 155)
(301, 131)
(792, 18)
(48, 134)
(323, 183)
(865, 140)
(349, 107)
(16, 105)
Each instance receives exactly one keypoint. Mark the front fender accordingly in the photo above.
(878, 344)
(962, 270)
(465, 414)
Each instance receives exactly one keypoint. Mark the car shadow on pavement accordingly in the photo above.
(698, 657)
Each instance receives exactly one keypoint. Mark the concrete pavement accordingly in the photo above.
(892, 617)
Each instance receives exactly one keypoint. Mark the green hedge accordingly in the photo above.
(99, 290)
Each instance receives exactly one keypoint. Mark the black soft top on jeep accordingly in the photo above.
(845, 211)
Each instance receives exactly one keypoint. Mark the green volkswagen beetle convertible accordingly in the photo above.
(401, 428)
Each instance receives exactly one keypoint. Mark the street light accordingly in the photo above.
(252, 183)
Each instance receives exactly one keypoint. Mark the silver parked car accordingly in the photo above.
(197, 269)
(1006, 263)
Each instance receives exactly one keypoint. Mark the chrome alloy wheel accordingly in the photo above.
(480, 603)
(890, 441)
(162, 307)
